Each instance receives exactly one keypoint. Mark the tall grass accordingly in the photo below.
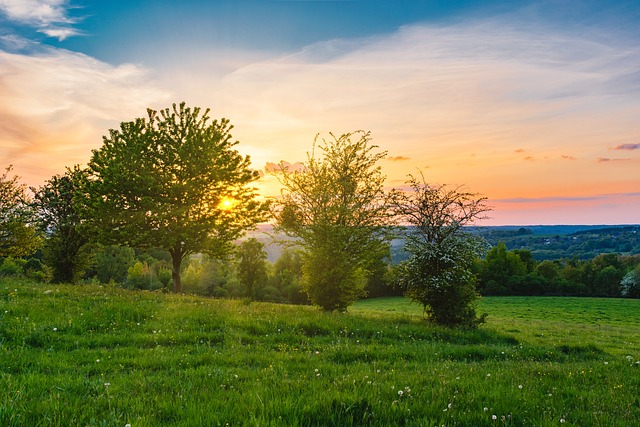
(102, 356)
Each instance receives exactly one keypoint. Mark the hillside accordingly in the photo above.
(544, 241)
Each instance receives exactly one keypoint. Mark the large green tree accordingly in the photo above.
(438, 273)
(65, 249)
(337, 208)
(18, 236)
(172, 181)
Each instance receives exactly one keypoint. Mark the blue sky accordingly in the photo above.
(534, 104)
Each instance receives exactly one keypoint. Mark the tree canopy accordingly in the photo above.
(172, 181)
(59, 217)
(438, 273)
(338, 209)
(18, 236)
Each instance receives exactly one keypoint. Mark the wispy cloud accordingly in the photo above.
(527, 200)
(48, 16)
(55, 106)
(398, 158)
(627, 147)
(608, 159)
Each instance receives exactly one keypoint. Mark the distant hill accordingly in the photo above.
(544, 241)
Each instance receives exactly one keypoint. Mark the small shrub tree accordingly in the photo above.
(438, 273)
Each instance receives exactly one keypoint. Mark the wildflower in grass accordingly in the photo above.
(606, 363)
(55, 329)
(400, 393)
(520, 386)
(485, 409)
(494, 417)
(562, 421)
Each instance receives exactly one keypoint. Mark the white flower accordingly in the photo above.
(400, 392)
(97, 360)
(485, 409)
(520, 386)
(494, 417)
(55, 329)
(562, 421)
(488, 375)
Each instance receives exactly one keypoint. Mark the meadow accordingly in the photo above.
(105, 356)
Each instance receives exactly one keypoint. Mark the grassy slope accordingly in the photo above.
(105, 356)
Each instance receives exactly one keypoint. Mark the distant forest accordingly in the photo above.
(552, 242)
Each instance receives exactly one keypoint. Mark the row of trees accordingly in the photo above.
(515, 272)
(174, 182)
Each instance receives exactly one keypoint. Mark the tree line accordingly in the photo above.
(169, 194)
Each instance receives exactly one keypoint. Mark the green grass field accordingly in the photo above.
(102, 356)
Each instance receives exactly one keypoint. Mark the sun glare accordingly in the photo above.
(227, 203)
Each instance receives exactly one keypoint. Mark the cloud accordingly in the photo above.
(607, 159)
(596, 197)
(55, 105)
(519, 150)
(48, 16)
(627, 147)
(565, 157)
(398, 158)
(283, 165)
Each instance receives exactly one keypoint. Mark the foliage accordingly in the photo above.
(251, 267)
(140, 276)
(105, 356)
(337, 207)
(564, 242)
(606, 275)
(438, 273)
(630, 284)
(172, 181)
(18, 237)
(66, 250)
(113, 262)
(287, 277)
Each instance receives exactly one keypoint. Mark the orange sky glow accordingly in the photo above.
(541, 119)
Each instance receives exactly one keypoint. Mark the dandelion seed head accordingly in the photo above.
(400, 392)
(494, 417)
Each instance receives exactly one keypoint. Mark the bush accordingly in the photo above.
(10, 267)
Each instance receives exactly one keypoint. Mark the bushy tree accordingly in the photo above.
(287, 276)
(251, 267)
(438, 273)
(630, 284)
(172, 181)
(338, 209)
(113, 262)
(18, 236)
(66, 250)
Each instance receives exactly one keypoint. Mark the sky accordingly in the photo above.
(532, 104)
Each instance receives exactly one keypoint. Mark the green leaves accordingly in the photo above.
(159, 182)
(338, 209)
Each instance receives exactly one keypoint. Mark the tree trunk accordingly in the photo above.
(176, 260)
